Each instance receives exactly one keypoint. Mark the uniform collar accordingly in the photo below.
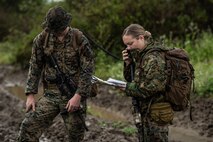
(66, 38)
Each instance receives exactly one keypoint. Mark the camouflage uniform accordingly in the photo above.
(148, 84)
(78, 64)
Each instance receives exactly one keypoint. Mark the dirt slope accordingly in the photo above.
(101, 128)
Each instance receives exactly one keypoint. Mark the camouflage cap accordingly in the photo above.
(57, 19)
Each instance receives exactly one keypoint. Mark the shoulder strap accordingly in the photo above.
(159, 49)
(47, 34)
(147, 51)
(77, 37)
(48, 50)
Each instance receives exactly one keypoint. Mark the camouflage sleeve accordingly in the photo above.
(35, 66)
(153, 79)
(127, 71)
(87, 68)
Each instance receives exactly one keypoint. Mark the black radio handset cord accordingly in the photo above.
(132, 65)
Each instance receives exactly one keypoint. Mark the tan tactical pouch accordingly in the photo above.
(161, 113)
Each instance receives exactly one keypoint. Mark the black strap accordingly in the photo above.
(92, 41)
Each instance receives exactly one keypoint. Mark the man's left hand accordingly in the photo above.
(74, 103)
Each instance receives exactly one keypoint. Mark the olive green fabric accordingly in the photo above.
(161, 113)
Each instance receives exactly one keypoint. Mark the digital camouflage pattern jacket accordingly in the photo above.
(74, 57)
(149, 74)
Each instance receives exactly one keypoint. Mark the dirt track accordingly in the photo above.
(107, 108)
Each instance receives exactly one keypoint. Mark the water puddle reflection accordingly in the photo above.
(97, 111)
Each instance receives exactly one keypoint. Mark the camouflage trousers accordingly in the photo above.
(47, 108)
(152, 132)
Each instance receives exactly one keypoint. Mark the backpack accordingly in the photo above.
(180, 77)
(76, 41)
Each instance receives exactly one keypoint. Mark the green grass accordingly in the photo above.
(204, 77)
(107, 67)
(201, 55)
(201, 50)
(129, 130)
(6, 53)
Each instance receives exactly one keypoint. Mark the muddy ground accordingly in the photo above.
(109, 117)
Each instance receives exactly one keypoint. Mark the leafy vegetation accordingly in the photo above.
(184, 24)
(129, 130)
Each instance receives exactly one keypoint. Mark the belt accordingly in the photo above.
(51, 86)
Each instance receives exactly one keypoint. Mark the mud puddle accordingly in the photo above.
(100, 112)
(176, 133)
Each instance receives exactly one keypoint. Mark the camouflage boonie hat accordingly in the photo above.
(57, 19)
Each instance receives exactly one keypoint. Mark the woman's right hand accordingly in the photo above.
(126, 58)
(30, 103)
